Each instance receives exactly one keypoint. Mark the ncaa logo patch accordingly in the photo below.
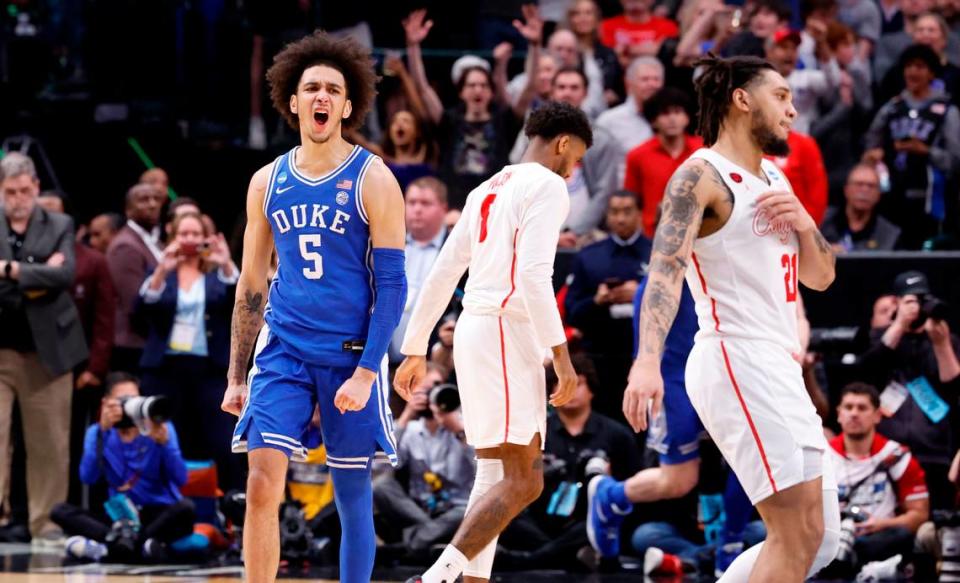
(282, 177)
(342, 198)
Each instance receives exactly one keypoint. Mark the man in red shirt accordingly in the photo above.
(804, 169)
(882, 488)
(637, 32)
(651, 164)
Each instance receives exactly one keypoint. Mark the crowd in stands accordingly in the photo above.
(120, 305)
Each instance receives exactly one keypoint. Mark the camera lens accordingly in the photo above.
(936, 309)
(158, 409)
(446, 397)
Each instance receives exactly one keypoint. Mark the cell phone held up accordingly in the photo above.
(190, 249)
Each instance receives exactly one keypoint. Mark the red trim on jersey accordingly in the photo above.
(703, 284)
(503, 348)
(746, 412)
(513, 271)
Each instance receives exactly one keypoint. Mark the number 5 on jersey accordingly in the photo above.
(308, 244)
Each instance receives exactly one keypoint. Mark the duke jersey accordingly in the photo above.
(321, 297)
(744, 276)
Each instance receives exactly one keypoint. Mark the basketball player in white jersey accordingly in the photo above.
(733, 226)
(507, 237)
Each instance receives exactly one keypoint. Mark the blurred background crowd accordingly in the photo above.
(130, 130)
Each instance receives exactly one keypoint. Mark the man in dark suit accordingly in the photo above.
(603, 280)
(41, 339)
(133, 253)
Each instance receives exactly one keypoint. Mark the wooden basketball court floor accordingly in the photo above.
(23, 563)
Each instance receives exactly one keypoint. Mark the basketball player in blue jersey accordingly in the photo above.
(334, 214)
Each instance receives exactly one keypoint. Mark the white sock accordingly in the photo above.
(447, 568)
(739, 571)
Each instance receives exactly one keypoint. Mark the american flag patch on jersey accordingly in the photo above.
(343, 184)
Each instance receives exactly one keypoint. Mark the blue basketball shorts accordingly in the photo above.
(283, 391)
(675, 433)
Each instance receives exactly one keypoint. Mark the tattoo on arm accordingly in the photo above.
(247, 321)
(253, 302)
(679, 224)
(822, 245)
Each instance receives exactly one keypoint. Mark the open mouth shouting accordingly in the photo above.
(320, 118)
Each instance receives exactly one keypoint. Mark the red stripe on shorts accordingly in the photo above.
(746, 412)
(503, 348)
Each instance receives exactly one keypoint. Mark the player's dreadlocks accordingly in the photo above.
(716, 85)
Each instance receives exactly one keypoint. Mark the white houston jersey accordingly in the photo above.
(744, 276)
(507, 236)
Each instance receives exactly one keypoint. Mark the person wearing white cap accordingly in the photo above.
(475, 136)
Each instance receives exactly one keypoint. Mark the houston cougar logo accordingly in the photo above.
(763, 227)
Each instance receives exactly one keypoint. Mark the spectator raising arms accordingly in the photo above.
(407, 147)
(476, 135)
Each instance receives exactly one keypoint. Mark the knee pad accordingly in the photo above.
(830, 543)
(489, 473)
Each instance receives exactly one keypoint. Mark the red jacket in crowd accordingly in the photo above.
(806, 173)
(618, 31)
(96, 302)
(649, 168)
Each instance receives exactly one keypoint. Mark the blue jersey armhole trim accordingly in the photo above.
(359, 195)
(271, 183)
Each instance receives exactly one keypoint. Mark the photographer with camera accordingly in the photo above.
(915, 359)
(187, 303)
(883, 493)
(137, 452)
(437, 468)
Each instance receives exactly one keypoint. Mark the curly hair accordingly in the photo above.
(345, 55)
(716, 85)
(554, 118)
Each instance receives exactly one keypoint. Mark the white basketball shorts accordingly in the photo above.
(500, 375)
(752, 401)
